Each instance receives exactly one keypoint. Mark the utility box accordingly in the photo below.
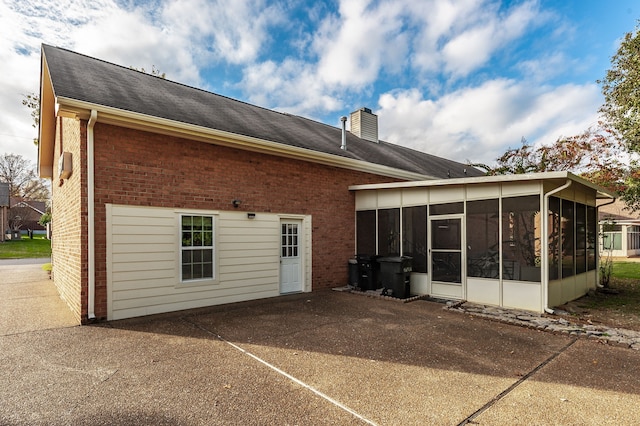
(395, 276)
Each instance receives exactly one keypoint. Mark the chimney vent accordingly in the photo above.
(343, 119)
(364, 124)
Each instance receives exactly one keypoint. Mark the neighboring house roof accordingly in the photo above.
(618, 212)
(37, 206)
(74, 81)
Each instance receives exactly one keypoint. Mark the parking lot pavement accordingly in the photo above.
(320, 358)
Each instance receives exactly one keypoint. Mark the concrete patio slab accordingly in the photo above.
(321, 358)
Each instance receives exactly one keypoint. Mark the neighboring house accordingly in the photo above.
(167, 197)
(619, 230)
(4, 210)
(24, 215)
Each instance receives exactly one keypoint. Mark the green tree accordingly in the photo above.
(21, 176)
(621, 90)
(594, 154)
(32, 101)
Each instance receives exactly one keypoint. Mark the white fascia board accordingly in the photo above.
(109, 115)
(546, 176)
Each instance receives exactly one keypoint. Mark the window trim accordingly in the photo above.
(214, 249)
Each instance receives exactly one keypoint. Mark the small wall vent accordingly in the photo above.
(65, 165)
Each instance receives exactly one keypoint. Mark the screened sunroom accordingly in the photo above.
(519, 241)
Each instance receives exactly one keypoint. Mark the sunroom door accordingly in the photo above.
(446, 256)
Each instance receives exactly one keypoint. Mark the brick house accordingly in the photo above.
(166, 197)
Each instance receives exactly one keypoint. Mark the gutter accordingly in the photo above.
(91, 285)
(115, 116)
(545, 246)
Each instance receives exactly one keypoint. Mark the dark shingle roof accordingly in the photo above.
(79, 77)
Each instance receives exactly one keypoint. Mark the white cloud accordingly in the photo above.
(480, 123)
(354, 47)
(233, 31)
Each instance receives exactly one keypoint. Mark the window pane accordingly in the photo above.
(554, 238)
(581, 238)
(186, 223)
(389, 232)
(567, 235)
(207, 256)
(414, 236)
(448, 208)
(521, 231)
(197, 222)
(592, 232)
(207, 270)
(186, 272)
(366, 232)
(207, 223)
(186, 239)
(483, 238)
(208, 239)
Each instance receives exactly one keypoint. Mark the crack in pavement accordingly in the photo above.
(485, 407)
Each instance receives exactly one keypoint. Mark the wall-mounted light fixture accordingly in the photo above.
(236, 203)
(251, 215)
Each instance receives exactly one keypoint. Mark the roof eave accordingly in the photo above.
(109, 115)
(47, 126)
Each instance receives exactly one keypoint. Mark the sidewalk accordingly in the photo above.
(321, 358)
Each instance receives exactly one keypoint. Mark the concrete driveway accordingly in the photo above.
(321, 358)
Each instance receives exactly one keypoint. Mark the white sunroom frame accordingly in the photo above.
(528, 295)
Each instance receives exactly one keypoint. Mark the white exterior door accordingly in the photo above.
(291, 256)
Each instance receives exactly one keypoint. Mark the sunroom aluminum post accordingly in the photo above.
(545, 245)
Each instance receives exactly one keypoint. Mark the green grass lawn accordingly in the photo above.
(625, 298)
(630, 270)
(26, 248)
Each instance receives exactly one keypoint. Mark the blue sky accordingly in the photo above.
(462, 79)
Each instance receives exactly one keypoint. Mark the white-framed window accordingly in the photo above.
(197, 247)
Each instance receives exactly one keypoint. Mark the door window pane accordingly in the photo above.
(445, 234)
(446, 267)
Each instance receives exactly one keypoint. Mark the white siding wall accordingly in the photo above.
(143, 253)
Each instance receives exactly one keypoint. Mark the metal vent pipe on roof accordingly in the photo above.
(344, 132)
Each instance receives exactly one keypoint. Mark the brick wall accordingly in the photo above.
(69, 221)
(140, 168)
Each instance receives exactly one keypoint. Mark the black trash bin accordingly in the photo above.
(354, 273)
(368, 272)
(395, 276)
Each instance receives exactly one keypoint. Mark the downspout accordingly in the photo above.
(91, 290)
(545, 246)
